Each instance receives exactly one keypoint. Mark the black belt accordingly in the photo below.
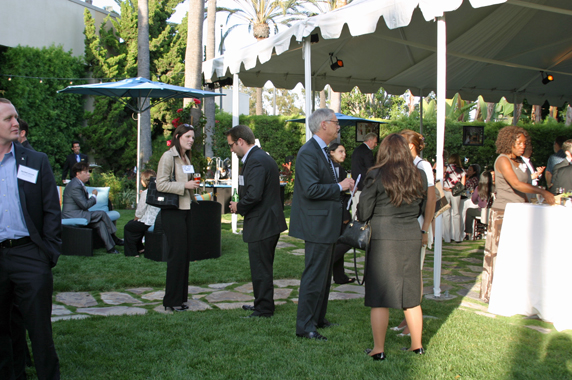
(11, 243)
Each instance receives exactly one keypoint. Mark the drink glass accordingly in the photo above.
(539, 197)
(560, 190)
(197, 177)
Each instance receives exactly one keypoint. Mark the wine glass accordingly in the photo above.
(560, 190)
(539, 197)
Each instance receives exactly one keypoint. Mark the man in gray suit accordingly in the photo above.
(76, 204)
(316, 217)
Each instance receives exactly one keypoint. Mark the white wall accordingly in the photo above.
(41, 23)
(227, 102)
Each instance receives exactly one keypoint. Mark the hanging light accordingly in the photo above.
(546, 78)
(335, 64)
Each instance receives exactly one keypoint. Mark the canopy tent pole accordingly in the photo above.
(308, 83)
(441, 99)
(138, 165)
(234, 164)
(421, 118)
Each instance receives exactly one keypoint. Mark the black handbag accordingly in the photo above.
(164, 201)
(357, 235)
(457, 188)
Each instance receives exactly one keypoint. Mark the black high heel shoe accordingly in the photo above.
(174, 308)
(380, 356)
(419, 351)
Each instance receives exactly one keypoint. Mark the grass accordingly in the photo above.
(219, 344)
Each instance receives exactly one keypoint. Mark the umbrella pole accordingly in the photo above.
(138, 177)
(234, 163)
(308, 83)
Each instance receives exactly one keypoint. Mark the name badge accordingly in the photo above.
(240, 180)
(188, 169)
(27, 174)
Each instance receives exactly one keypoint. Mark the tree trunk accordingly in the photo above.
(210, 102)
(323, 99)
(259, 101)
(568, 115)
(144, 71)
(336, 101)
(554, 112)
(411, 103)
(194, 51)
(516, 113)
(490, 111)
(536, 115)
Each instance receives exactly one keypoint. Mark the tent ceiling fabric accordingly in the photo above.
(495, 48)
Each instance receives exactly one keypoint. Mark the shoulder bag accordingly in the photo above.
(457, 188)
(160, 199)
(357, 235)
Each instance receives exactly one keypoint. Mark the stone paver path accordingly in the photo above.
(460, 275)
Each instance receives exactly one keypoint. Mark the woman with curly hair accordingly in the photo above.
(511, 187)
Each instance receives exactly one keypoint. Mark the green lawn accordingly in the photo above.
(219, 344)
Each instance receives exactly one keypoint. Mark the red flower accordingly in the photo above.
(169, 142)
(197, 101)
(175, 122)
(216, 121)
(179, 110)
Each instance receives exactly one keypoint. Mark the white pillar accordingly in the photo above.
(235, 122)
(441, 98)
(308, 83)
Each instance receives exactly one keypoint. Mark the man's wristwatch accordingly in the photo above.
(423, 231)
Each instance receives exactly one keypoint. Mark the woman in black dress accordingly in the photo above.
(393, 195)
(338, 155)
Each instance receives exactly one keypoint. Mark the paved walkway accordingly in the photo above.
(460, 277)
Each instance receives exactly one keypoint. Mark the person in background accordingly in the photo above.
(472, 177)
(511, 186)
(145, 216)
(177, 222)
(452, 220)
(393, 196)
(554, 159)
(260, 204)
(535, 172)
(563, 176)
(23, 134)
(362, 160)
(71, 160)
(316, 218)
(338, 155)
(482, 197)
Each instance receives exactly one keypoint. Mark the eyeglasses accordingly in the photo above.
(337, 122)
(231, 145)
(188, 126)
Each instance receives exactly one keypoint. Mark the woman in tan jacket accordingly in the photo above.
(177, 223)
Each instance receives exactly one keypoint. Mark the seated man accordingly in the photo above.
(563, 175)
(77, 201)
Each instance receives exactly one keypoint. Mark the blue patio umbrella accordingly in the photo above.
(345, 120)
(142, 89)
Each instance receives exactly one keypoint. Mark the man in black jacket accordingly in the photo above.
(30, 246)
(362, 160)
(563, 176)
(260, 204)
(71, 160)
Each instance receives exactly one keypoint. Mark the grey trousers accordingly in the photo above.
(104, 226)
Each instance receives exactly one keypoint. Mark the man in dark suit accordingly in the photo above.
(76, 204)
(71, 160)
(316, 217)
(362, 160)
(23, 134)
(563, 174)
(260, 204)
(30, 245)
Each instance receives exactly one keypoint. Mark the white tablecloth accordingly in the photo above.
(533, 273)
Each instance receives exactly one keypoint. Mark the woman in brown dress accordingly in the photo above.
(511, 176)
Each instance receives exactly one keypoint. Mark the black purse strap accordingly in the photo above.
(355, 268)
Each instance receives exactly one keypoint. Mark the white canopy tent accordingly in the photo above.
(492, 48)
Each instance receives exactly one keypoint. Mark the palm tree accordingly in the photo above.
(194, 51)
(259, 16)
(209, 103)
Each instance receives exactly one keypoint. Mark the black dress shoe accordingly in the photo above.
(312, 335)
(348, 281)
(380, 356)
(248, 307)
(113, 250)
(184, 306)
(419, 351)
(326, 324)
(118, 241)
(174, 308)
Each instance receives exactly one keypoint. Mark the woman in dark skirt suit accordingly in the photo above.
(393, 196)
(177, 223)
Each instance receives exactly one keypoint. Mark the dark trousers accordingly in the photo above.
(261, 256)
(177, 226)
(314, 287)
(470, 219)
(26, 280)
(20, 350)
(133, 235)
(104, 226)
(340, 250)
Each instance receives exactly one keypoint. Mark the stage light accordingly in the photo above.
(546, 78)
(335, 64)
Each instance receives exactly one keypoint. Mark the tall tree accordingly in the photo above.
(259, 16)
(143, 70)
(210, 54)
(194, 51)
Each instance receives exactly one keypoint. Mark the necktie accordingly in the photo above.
(331, 165)
(77, 157)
